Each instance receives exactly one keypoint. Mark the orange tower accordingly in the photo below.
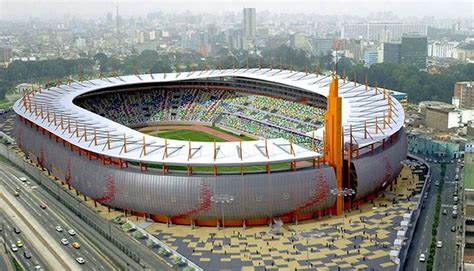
(333, 140)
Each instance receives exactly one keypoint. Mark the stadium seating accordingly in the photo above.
(257, 115)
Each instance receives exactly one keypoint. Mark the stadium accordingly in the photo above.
(252, 145)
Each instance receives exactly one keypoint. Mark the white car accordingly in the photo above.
(59, 229)
(14, 248)
(64, 241)
(422, 257)
(439, 244)
(455, 207)
(80, 260)
(71, 232)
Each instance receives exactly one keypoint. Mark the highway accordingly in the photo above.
(422, 237)
(445, 256)
(69, 208)
(11, 237)
(49, 220)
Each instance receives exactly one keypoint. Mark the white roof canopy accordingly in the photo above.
(361, 108)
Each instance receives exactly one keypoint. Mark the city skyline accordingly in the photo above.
(9, 10)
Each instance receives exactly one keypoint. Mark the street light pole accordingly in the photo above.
(344, 192)
(222, 199)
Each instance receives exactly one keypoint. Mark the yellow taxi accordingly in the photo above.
(19, 243)
(76, 245)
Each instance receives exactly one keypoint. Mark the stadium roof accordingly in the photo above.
(361, 109)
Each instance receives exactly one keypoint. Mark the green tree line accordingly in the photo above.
(418, 84)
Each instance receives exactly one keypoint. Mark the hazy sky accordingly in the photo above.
(23, 9)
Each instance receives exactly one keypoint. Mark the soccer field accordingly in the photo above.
(189, 135)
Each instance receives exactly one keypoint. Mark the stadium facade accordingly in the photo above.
(163, 179)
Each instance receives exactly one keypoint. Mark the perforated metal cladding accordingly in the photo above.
(382, 167)
(175, 195)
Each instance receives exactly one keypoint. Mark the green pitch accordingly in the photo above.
(189, 135)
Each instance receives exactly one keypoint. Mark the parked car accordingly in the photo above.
(439, 244)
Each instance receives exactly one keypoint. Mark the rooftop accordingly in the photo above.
(361, 107)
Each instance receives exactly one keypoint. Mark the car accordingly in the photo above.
(422, 257)
(16, 230)
(14, 248)
(16, 193)
(76, 245)
(64, 241)
(455, 199)
(445, 212)
(455, 214)
(439, 244)
(455, 207)
(59, 229)
(42, 206)
(23, 179)
(453, 228)
(437, 183)
(38, 266)
(19, 243)
(80, 260)
(71, 232)
(27, 254)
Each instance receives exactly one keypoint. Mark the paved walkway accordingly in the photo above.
(363, 240)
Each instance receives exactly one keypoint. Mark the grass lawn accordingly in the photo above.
(242, 137)
(469, 176)
(189, 135)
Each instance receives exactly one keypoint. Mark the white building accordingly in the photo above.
(387, 32)
(249, 23)
(442, 49)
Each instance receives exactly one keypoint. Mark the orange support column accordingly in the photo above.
(334, 135)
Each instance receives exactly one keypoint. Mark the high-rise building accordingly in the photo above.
(464, 95)
(322, 46)
(299, 41)
(370, 56)
(414, 51)
(442, 49)
(249, 23)
(355, 48)
(381, 32)
(5, 53)
(391, 53)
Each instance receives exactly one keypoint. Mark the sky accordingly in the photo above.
(24, 9)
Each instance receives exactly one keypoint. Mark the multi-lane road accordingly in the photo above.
(444, 259)
(98, 251)
(11, 238)
(446, 255)
(49, 220)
